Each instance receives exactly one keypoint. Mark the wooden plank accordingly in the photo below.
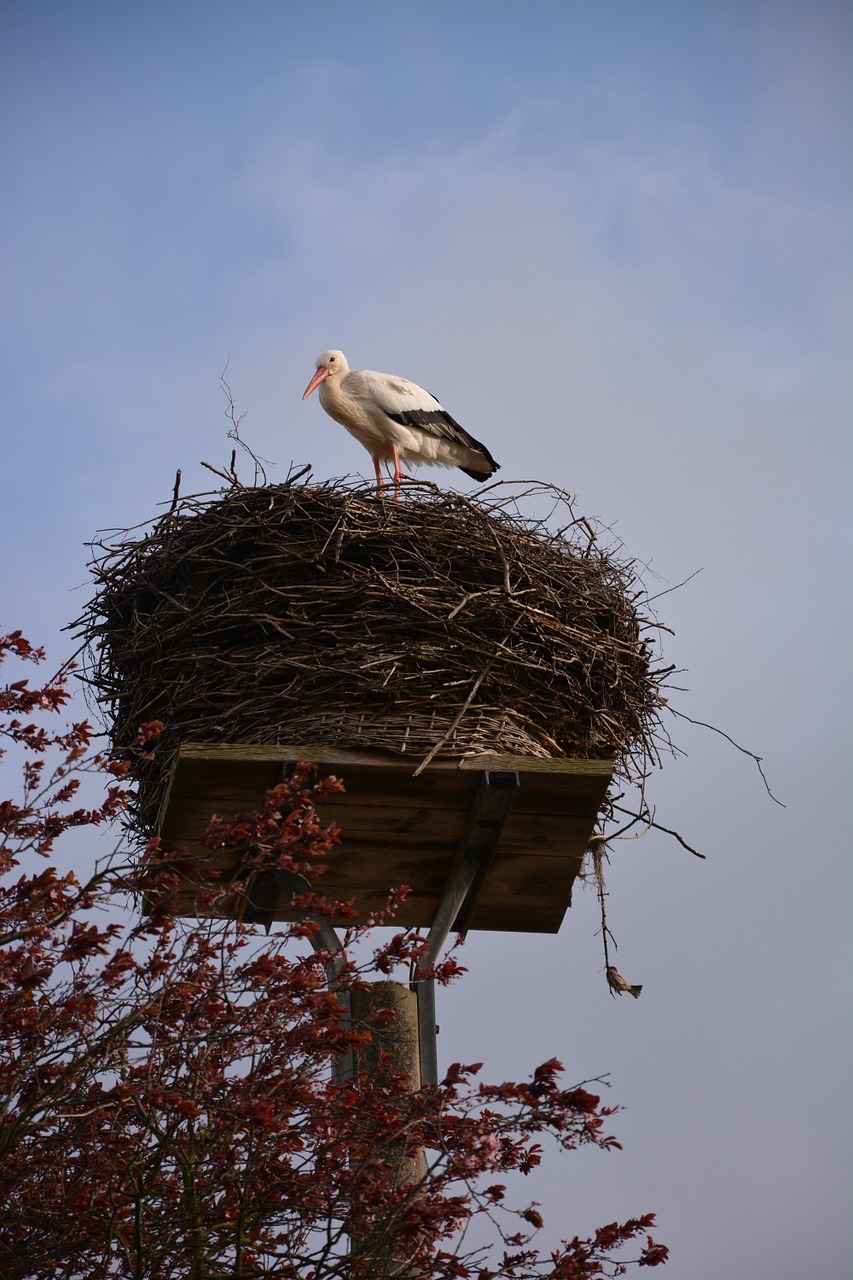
(225, 782)
(318, 754)
(531, 892)
(286, 752)
(542, 871)
(426, 872)
(557, 766)
(561, 793)
(535, 906)
(358, 822)
(407, 916)
(519, 917)
(409, 837)
(578, 796)
(529, 875)
(362, 823)
(537, 915)
(197, 772)
(399, 829)
(547, 832)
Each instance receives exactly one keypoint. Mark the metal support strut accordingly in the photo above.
(289, 883)
(492, 804)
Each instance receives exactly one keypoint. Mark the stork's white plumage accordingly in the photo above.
(396, 420)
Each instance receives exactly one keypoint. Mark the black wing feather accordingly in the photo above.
(438, 422)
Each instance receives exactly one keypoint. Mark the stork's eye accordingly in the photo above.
(331, 359)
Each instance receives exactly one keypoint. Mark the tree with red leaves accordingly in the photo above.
(168, 1108)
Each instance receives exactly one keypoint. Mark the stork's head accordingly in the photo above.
(331, 364)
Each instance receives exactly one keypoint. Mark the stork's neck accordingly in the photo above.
(332, 391)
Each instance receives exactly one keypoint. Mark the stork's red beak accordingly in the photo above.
(320, 376)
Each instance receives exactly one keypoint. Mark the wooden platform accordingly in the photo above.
(398, 829)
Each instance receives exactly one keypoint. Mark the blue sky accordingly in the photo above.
(614, 238)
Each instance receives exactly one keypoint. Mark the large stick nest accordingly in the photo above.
(439, 625)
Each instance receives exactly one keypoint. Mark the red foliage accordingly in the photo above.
(167, 1103)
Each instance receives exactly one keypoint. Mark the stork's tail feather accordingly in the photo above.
(483, 475)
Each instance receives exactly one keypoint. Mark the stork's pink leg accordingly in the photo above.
(380, 483)
(398, 474)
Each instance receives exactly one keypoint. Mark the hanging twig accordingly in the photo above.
(758, 759)
(642, 817)
(598, 852)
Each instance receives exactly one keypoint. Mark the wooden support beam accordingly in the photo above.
(491, 809)
(288, 883)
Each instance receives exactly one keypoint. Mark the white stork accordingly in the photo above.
(396, 420)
